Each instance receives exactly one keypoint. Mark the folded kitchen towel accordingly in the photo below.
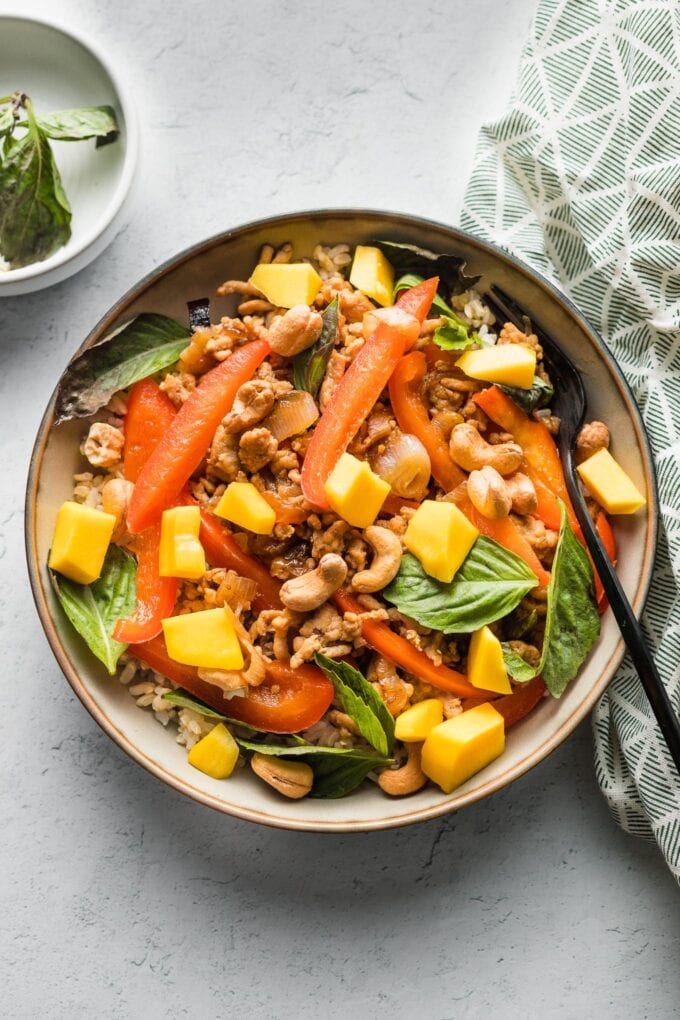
(581, 179)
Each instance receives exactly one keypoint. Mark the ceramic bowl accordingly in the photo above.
(60, 70)
(197, 272)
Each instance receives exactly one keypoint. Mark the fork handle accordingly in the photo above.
(629, 625)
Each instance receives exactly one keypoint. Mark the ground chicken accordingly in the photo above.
(256, 448)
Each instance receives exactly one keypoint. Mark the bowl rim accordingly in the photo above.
(413, 815)
(63, 256)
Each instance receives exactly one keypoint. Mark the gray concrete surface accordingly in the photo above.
(119, 897)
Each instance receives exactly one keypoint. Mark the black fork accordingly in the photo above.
(569, 404)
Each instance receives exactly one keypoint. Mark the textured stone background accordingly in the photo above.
(119, 897)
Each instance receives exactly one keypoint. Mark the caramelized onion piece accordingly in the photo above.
(293, 413)
(404, 463)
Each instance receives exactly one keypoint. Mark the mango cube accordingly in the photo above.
(216, 753)
(244, 505)
(206, 639)
(81, 539)
(416, 722)
(440, 536)
(509, 364)
(485, 666)
(610, 485)
(372, 274)
(355, 492)
(461, 746)
(286, 284)
(181, 554)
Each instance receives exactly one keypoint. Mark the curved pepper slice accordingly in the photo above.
(400, 651)
(188, 438)
(289, 700)
(515, 706)
(360, 387)
(604, 530)
(222, 550)
(412, 416)
(150, 413)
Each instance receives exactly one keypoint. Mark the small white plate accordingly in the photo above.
(60, 70)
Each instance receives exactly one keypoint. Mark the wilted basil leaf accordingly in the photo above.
(77, 125)
(309, 367)
(454, 334)
(337, 770)
(540, 395)
(409, 258)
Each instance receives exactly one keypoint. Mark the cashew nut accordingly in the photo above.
(407, 779)
(521, 490)
(295, 331)
(104, 445)
(291, 778)
(116, 496)
(593, 436)
(471, 451)
(385, 563)
(488, 493)
(311, 590)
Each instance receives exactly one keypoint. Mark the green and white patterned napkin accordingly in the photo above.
(581, 179)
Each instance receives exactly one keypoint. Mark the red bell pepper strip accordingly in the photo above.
(156, 595)
(222, 550)
(286, 513)
(289, 700)
(606, 534)
(360, 387)
(394, 504)
(186, 442)
(515, 706)
(150, 413)
(400, 651)
(412, 416)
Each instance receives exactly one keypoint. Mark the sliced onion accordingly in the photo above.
(405, 464)
(238, 592)
(294, 413)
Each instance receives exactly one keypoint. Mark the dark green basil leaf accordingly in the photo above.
(337, 770)
(94, 609)
(309, 367)
(540, 395)
(488, 586)
(184, 700)
(362, 703)
(409, 258)
(135, 350)
(77, 125)
(35, 215)
(572, 621)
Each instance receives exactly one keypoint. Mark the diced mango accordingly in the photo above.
(216, 753)
(610, 485)
(440, 536)
(485, 665)
(206, 639)
(181, 554)
(416, 722)
(81, 538)
(286, 284)
(372, 274)
(244, 505)
(509, 364)
(355, 492)
(461, 746)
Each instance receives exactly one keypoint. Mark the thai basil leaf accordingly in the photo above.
(540, 395)
(572, 620)
(337, 770)
(6, 120)
(309, 367)
(135, 350)
(409, 258)
(77, 125)
(489, 584)
(454, 334)
(35, 215)
(94, 609)
(184, 700)
(362, 703)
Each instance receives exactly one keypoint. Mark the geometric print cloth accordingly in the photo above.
(581, 179)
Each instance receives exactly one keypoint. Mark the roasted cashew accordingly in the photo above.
(291, 778)
(295, 331)
(488, 493)
(116, 495)
(311, 590)
(385, 563)
(472, 452)
(593, 436)
(407, 779)
(103, 446)
(522, 492)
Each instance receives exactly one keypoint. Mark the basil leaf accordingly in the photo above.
(489, 584)
(309, 367)
(409, 258)
(6, 120)
(454, 334)
(540, 395)
(77, 125)
(337, 770)
(184, 700)
(146, 344)
(94, 609)
(35, 215)
(362, 703)
(572, 620)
